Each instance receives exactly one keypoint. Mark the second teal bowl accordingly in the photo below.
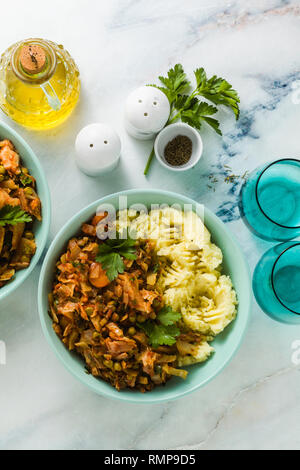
(41, 229)
(226, 344)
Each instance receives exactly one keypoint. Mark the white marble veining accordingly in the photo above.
(120, 45)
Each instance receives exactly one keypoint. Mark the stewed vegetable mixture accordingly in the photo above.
(105, 307)
(19, 207)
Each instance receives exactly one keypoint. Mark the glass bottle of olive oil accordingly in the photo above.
(39, 83)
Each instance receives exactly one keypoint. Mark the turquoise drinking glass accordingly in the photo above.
(270, 200)
(276, 283)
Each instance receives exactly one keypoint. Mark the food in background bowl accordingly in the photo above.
(141, 305)
(19, 207)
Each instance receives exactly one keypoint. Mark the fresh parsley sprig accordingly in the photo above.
(186, 105)
(164, 330)
(111, 252)
(13, 215)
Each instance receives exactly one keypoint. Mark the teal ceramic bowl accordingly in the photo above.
(225, 345)
(41, 229)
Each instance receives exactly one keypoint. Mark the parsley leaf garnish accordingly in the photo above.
(160, 335)
(167, 317)
(186, 104)
(164, 330)
(113, 264)
(111, 252)
(13, 215)
(26, 180)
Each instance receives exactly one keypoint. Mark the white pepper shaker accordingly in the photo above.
(98, 149)
(147, 112)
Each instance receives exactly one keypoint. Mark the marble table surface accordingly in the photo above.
(119, 45)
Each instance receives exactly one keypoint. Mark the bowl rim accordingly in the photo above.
(46, 221)
(168, 130)
(61, 356)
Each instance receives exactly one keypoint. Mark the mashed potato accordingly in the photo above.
(200, 354)
(190, 279)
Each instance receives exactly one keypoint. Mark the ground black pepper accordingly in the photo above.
(179, 151)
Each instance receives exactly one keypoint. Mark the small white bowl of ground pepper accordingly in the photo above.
(179, 147)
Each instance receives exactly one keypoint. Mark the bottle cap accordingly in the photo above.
(32, 58)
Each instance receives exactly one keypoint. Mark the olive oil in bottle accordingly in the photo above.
(39, 84)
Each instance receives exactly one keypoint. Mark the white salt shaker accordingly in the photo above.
(147, 112)
(98, 149)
